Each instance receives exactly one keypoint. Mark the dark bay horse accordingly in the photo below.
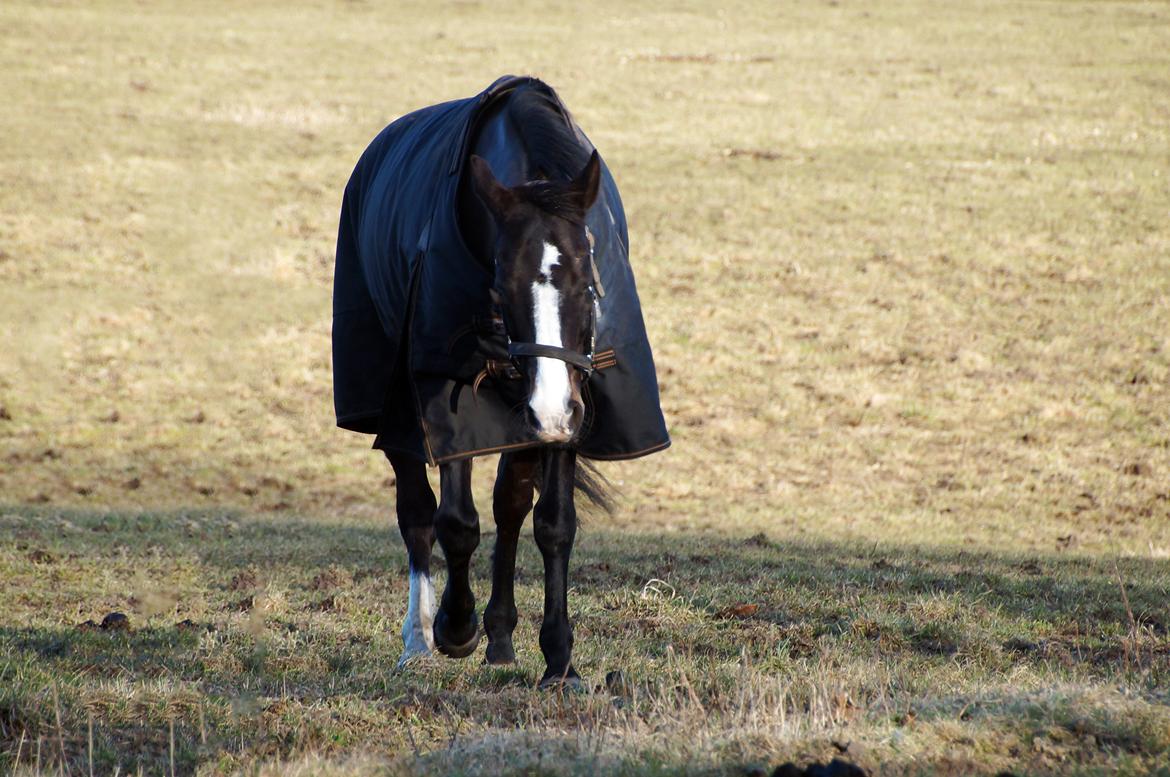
(522, 238)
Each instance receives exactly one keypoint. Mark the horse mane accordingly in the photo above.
(556, 152)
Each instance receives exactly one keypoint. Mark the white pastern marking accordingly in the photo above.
(418, 636)
(550, 398)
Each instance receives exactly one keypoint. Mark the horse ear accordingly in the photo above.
(498, 198)
(588, 181)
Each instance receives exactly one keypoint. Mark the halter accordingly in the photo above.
(510, 369)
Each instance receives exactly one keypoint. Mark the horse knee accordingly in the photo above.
(554, 533)
(457, 530)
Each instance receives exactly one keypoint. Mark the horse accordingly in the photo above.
(484, 303)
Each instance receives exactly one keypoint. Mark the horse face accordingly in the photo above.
(543, 286)
(547, 301)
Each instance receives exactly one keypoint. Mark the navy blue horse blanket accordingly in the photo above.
(410, 302)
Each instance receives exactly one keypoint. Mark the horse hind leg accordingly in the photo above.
(415, 503)
(457, 528)
(511, 502)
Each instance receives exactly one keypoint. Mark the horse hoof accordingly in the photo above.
(447, 646)
(411, 657)
(562, 681)
(458, 651)
(498, 654)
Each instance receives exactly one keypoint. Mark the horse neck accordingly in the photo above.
(497, 141)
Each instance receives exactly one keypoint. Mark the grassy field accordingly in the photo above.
(906, 269)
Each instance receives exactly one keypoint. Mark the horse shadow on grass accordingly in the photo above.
(803, 590)
(1052, 586)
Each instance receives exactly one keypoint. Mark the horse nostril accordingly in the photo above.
(576, 413)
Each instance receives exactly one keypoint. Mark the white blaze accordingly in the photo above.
(550, 398)
(418, 635)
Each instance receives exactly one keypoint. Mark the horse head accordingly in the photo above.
(544, 289)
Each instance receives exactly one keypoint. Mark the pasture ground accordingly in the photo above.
(906, 267)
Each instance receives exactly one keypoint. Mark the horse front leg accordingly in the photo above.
(511, 501)
(555, 526)
(457, 529)
(415, 505)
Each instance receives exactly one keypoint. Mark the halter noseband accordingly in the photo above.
(575, 358)
(510, 369)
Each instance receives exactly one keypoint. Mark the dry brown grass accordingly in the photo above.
(906, 268)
